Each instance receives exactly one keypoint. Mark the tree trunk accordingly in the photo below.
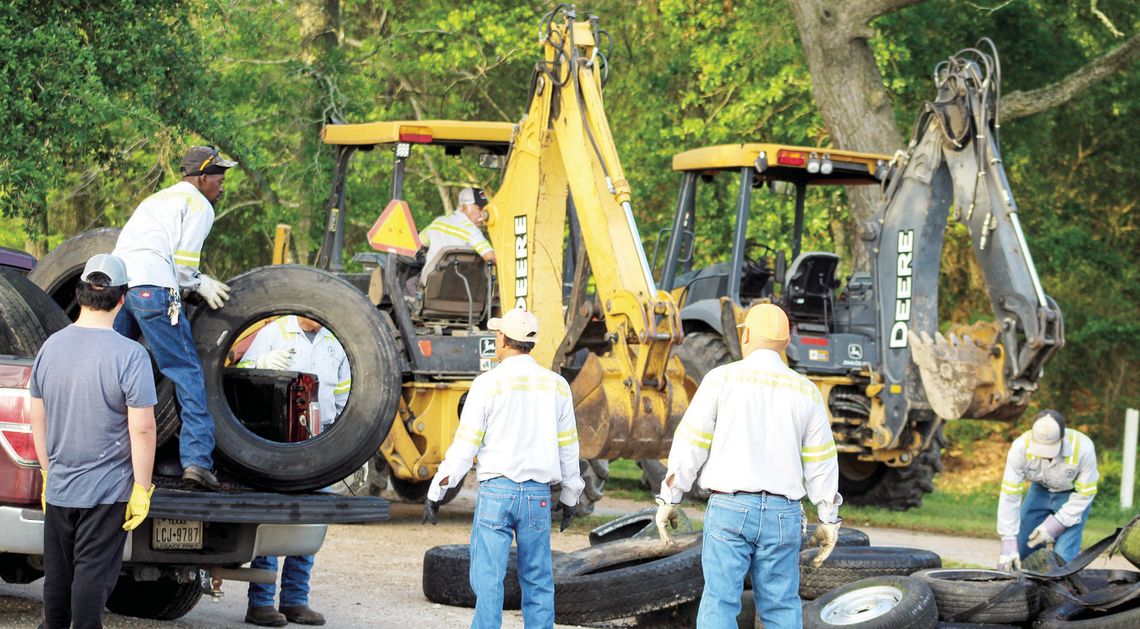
(850, 94)
(319, 30)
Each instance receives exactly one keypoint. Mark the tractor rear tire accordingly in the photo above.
(895, 488)
(58, 272)
(372, 354)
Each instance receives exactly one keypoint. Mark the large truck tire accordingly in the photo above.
(848, 564)
(626, 578)
(884, 602)
(58, 272)
(1074, 616)
(164, 599)
(372, 354)
(896, 488)
(958, 591)
(447, 577)
(27, 315)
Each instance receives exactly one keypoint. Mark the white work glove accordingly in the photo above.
(666, 517)
(214, 292)
(1046, 532)
(1009, 560)
(279, 359)
(825, 536)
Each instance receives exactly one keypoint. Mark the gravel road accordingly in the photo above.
(369, 575)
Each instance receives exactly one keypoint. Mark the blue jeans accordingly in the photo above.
(177, 358)
(294, 581)
(751, 533)
(1038, 504)
(505, 510)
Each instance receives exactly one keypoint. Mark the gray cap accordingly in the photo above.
(108, 265)
(204, 160)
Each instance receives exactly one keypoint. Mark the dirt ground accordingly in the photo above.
(369, 575)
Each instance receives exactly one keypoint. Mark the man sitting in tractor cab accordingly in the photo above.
(462, 228)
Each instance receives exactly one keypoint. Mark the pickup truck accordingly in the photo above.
(191, 540)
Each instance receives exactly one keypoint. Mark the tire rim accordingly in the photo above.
(861, 605)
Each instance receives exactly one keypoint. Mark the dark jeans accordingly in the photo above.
(83, 552)
(175, 353)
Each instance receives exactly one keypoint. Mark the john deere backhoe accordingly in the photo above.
(873, 344)
(568, 249)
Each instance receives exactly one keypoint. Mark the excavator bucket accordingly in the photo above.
(962, 372)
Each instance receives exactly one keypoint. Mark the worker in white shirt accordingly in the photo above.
(297, 344)
(519, 420)
(462, 228)
(1054, 469)
(764, 431)
(302, 344)
(161, 245)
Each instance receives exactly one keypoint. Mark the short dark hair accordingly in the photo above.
(97, 294)
(518, 346)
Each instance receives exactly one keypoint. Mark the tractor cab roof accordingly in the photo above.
(453, 134)
(782, 162)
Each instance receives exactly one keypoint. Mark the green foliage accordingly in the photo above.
(98, 102)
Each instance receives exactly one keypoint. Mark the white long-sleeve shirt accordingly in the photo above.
(761, 427)
(161, 244)
(1073, 469)
(452, 230)
(519, 420)
(323, 356)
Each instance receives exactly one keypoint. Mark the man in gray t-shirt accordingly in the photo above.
(92, 415)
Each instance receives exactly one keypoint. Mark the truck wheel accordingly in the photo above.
(375, 364)
(27, 315)
(852, 563)
(58, 272)
(896, 488)
(164, 599)
(882, 602)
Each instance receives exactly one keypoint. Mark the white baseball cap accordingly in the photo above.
(108, 265)
(473, 196)
(1048, 433)
(516, 324)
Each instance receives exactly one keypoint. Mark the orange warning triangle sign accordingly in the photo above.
(395, 230)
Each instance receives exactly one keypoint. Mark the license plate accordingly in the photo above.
(176, 534)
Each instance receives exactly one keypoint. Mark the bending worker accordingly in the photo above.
(1054, 468)
(161, 245)
(519, 421)
(764, 431)
(94, 433)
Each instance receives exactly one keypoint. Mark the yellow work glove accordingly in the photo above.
(137, 507)
(43, 491)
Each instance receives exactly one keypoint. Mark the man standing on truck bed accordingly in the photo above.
(94, 433)
(764, 431)
(519, 420)
(161, 245)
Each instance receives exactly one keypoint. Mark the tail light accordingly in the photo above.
(791, 158)
(15, 423)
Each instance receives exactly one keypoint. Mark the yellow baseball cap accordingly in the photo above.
(517, 324)
(767, 321)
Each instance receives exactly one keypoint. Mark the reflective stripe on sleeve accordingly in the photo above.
(568, 437)
(470, 435)
(1085, 489)
(451, 230)
(187, 258)
(481, 246)
(1014, 489)
(815, 454)
(694, 435)
(343, 386)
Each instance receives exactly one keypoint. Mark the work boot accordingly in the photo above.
(265, 616)
(202, 477)
(302, 615)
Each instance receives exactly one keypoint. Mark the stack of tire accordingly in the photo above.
(256, 295)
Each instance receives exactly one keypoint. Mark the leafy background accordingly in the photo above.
(98, 104)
